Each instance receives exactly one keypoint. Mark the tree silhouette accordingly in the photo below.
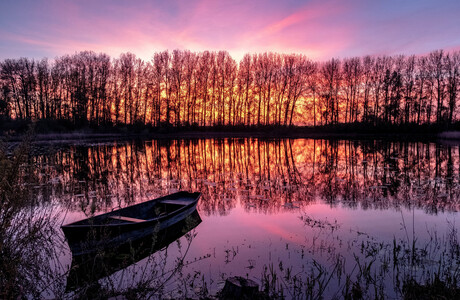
(183, 88)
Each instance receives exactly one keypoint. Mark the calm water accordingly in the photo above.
(269, 208)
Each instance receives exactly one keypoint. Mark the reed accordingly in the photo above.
(26, 231)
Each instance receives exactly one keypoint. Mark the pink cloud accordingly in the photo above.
(318, 29)
(303, 32)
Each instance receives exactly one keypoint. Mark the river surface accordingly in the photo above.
(294, 215)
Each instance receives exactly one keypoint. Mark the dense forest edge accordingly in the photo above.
(206, 93)
(42, 130)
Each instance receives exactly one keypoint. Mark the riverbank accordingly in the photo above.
(449, 135)
(15, 130)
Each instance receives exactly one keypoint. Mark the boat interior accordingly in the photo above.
(137, 213)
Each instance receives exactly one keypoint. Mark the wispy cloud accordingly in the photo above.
(320, 29)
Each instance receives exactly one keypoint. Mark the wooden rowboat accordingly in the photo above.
(88, 268)
(132, 222)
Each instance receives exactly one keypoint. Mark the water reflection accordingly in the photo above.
(269, 207)
(265, 175)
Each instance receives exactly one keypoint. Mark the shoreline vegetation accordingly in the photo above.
(14, 130)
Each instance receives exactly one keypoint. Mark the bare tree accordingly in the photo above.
(210, 88)
(452, 66)
(436, 59)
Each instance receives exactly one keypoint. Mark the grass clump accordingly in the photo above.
(26, 231)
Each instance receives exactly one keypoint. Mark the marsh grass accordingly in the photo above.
(27, 234)
(402, 268)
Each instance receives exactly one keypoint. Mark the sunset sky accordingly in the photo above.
(319, 29)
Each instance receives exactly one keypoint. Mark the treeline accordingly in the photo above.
(183, 88)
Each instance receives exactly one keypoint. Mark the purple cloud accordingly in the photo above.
(320, 29)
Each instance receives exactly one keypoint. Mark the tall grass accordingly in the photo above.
(26, 231)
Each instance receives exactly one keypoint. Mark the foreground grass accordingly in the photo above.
(26, 232)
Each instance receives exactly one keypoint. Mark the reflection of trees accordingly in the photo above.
(264, 175)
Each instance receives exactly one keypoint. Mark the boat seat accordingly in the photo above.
(178, 202)
(128, 219)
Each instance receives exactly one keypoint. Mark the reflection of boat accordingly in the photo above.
(132, 222)
(89, 267)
